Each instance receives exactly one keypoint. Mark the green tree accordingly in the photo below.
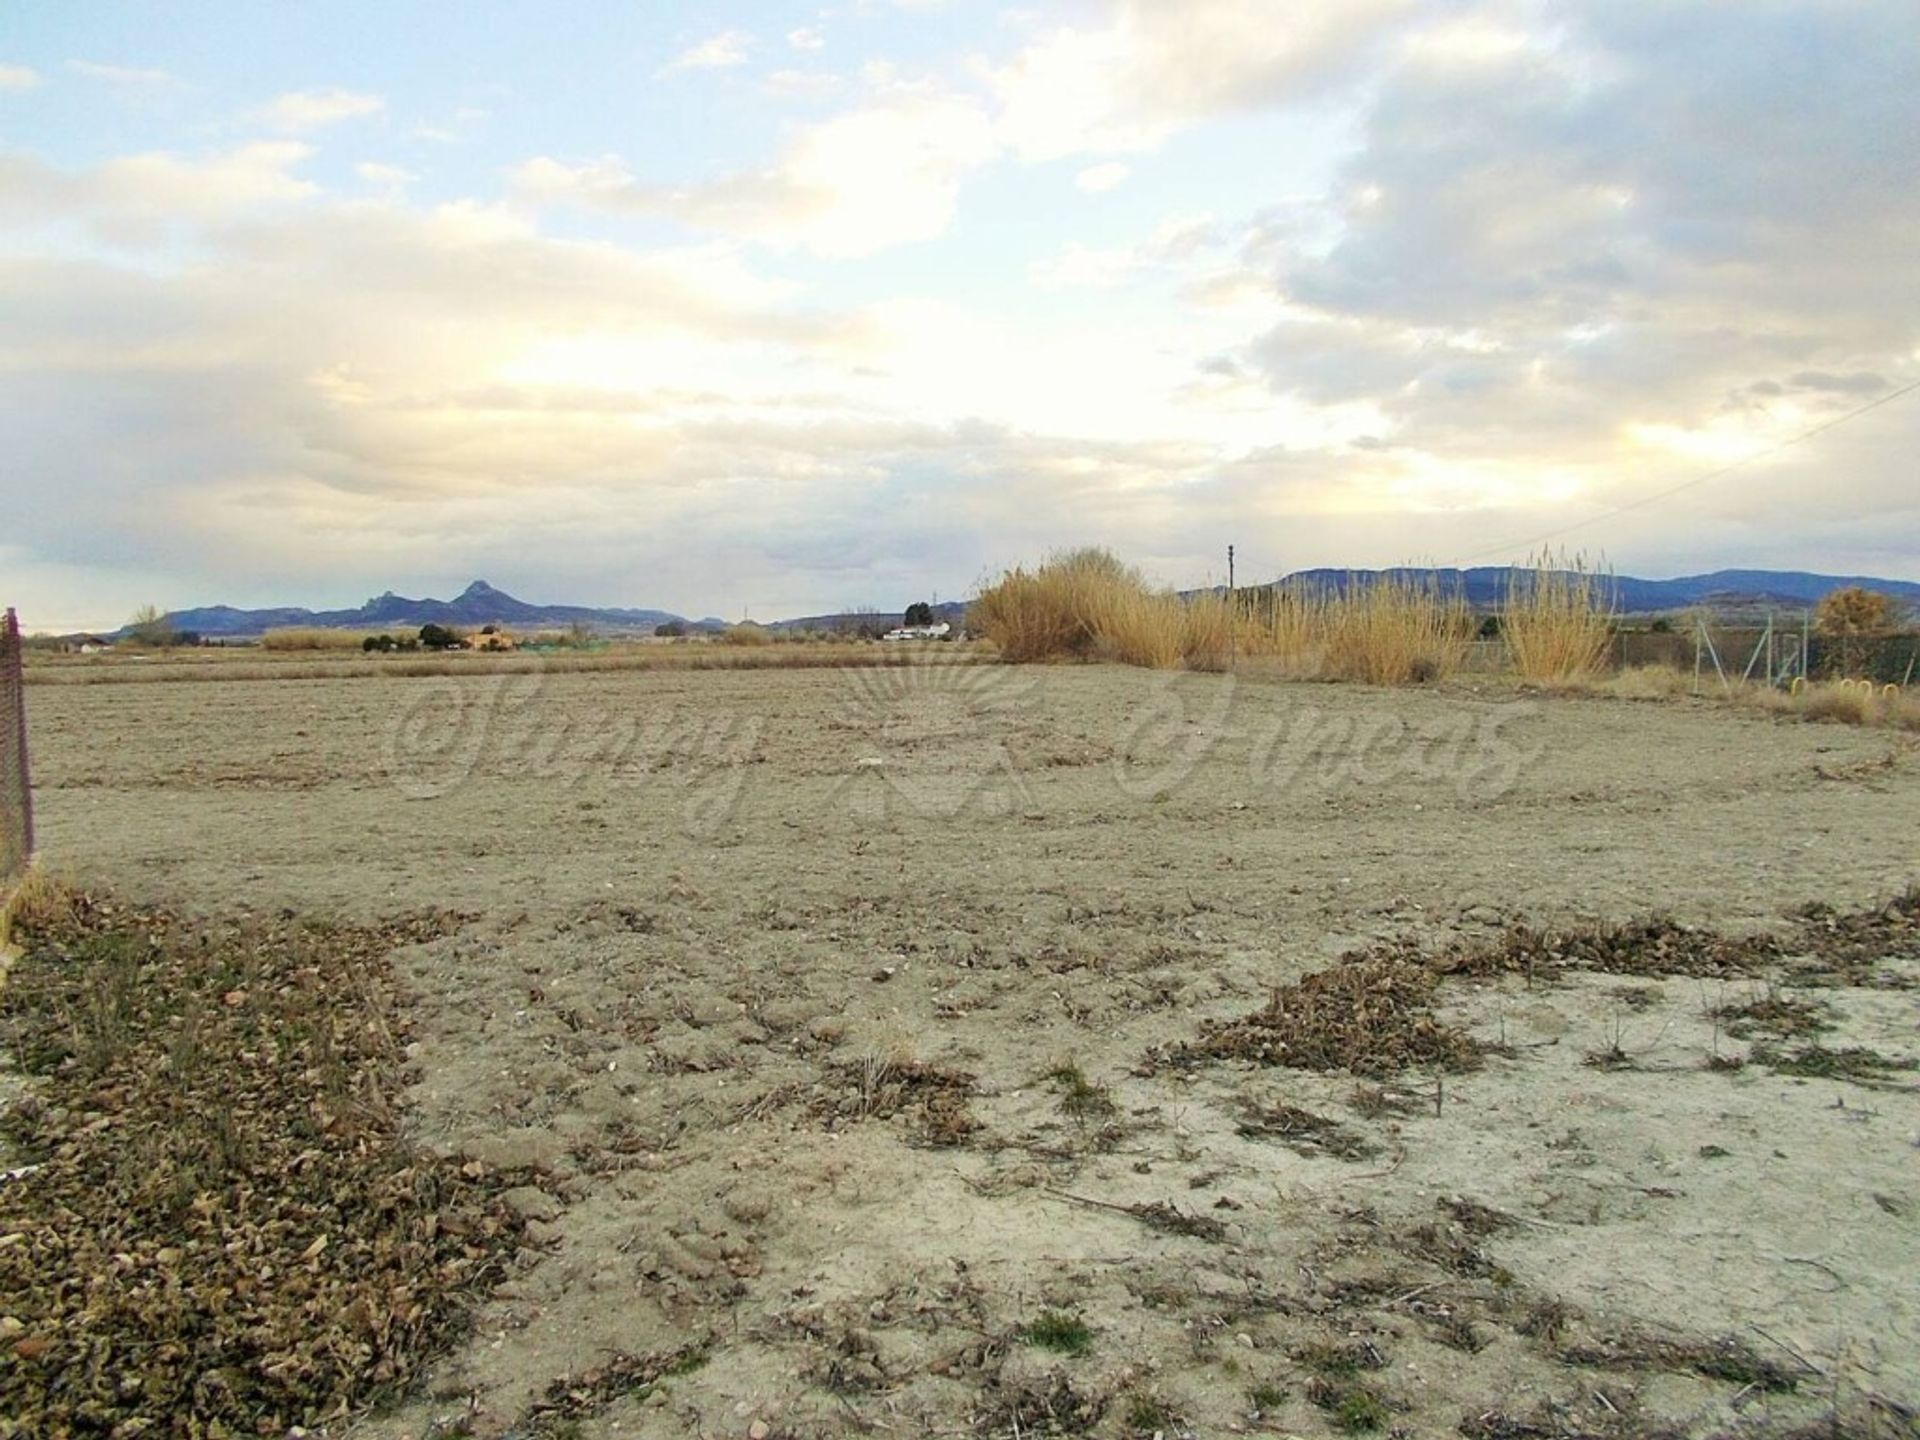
(438, 637)
(919, 613)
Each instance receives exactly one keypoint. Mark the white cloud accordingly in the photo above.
(716, 52)
(882, 175)
(18, 77)
(385, 177)
(302, 110)
(1149, 68)
(801, 84)
(126, 76)
(155, 188)
(1098, 178)
(1084, 267)
(1175, 243)
(459, 127)
(806, 38)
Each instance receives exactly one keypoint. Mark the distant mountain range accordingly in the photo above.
(1484, 588)
(478, 604)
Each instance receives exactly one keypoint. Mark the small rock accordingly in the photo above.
(530, 1202)
(759, 1430)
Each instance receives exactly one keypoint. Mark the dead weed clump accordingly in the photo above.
(1020, 1404)
(1852, 948)
(1774, 1014)
(1816, 1062)
(935, 1098)
(1369, 1016)
(1652, 947)
(576, 1397)
(1726, 1358)
(1302, 1131)
(221, 1227)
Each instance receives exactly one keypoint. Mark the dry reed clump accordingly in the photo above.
(38, 901)
(1396, 631)
(312, 637)
(1392, 629)
(746, 633)
(1085, 604)
(1558, 619)
(1057, 610)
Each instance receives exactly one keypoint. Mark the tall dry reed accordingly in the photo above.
(313, 637)
(1558, 619)
(1085, 604)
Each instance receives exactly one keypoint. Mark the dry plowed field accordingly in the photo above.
(978, 1050)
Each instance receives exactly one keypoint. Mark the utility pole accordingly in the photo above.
(1233, 638)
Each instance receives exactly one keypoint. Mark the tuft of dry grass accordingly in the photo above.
(1389, 630)
(1648, 682)
(1846, 703)
(313, 637)
(1396, 631)
(1841, 702)
(1558, 619)
(1087, 605)
(39, 901)
(746, 633)
(1056, 611)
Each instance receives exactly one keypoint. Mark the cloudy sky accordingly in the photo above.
(753, 308)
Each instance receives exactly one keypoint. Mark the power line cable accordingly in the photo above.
(1685, 485)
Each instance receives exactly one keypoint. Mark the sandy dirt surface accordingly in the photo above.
(837, 1006)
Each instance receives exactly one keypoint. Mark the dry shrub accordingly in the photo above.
(1396, 631)
(1085, 604)
(1392, 629)
(1558, 619)
(39, 901)
(1055, 611)
(312, 637)
(1849, 704)
(1841, 702)
(746, 633)
(1648, 682)
(1138, 627)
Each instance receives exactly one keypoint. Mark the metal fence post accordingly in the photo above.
(16, 786)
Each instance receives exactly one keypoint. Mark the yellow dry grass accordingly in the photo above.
(37, 900)
(1558, 620)
(1085, 604)
(1840, 702)
(313, 637)
(745, 633)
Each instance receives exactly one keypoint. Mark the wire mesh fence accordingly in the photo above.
(16, 792)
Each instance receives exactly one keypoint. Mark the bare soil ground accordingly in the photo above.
(925, 1051)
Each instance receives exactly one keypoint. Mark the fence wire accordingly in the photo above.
(16, 790)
